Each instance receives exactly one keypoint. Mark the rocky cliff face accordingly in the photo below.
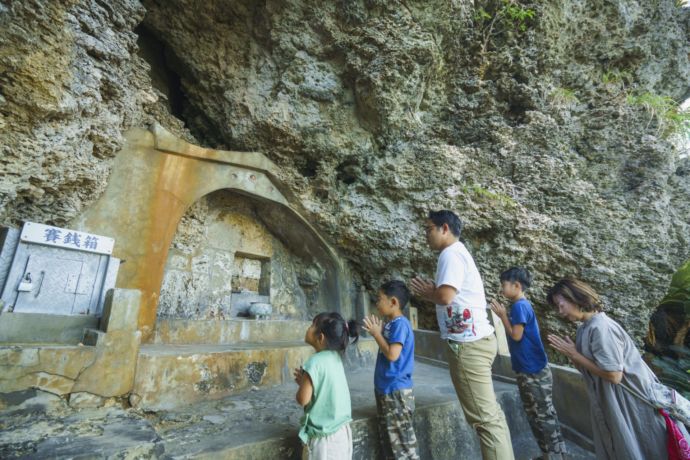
(71, 83)
(537, 129)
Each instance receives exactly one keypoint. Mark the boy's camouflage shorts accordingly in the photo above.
(396, 430)
(536, 394)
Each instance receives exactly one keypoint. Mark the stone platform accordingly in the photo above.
(258, 424)
(189, 331)
(170, 375)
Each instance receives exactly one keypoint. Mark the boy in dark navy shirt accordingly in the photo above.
(393, 374)
(529, 362)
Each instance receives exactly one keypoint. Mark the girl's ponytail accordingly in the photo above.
(336, 330)
(353, 331)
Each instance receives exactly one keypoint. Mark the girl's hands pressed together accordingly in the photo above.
(305, 388)
(298, 374)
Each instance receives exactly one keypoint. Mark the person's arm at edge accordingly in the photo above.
(427, 290)
(374, 326)
(515, 331)
(390, 350)
(584, 362)
(567, 347)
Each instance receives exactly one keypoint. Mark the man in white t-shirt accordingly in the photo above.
(458, 293)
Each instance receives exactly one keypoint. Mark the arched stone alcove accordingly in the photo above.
(157, 177)
(228, 251)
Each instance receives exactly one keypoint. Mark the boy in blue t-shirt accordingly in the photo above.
(393, 374)
(529, 362)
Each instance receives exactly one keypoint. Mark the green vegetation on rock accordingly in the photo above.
(616, 76)
(670, 323)
(507, 13)
(563, 97)
(678, 296)
(487, 195)
(497, 18)
(669, 116)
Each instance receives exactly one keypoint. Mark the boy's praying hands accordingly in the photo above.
(373, 325)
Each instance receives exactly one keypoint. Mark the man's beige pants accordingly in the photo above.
(470, 369)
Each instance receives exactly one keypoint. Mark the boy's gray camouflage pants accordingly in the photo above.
(536, 394)
(396, 430)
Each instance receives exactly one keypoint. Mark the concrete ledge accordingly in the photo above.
(187, 331)
(186, 375)
(170, 376)
(441, 433)
(50, 368)
(121, 310)
(42, 328)
(105, 370)
(252, 425)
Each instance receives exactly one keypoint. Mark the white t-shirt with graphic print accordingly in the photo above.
(466, 318)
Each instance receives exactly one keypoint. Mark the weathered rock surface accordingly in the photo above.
(40, 428)
(377, 112)
(72, 82)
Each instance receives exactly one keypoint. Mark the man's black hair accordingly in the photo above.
(446, 217)
(519, 274)
(397, 289)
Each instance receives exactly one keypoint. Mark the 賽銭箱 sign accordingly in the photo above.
(65, 238)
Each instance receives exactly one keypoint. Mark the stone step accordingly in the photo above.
(92, 337)
(169, 375)
(187, 331)
(49, 367)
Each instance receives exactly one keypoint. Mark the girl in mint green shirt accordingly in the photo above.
(323, 390)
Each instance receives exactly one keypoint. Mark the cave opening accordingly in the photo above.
(309, 169)
(164, 76)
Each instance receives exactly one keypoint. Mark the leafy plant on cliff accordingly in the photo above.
(517, 14)
(669, 116)
(495, 18)
(668, 333)
(670, 323)
(487, 195)
(616, 77)
(563, 97)
(678, 298)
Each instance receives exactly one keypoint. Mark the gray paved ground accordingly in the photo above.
(45, 426)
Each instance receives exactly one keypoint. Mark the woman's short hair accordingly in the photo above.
(577, 292)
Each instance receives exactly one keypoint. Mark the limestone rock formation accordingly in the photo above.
(376, 112)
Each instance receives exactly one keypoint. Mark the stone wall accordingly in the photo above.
(220, 242)
(375, 113)
(103, 369)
